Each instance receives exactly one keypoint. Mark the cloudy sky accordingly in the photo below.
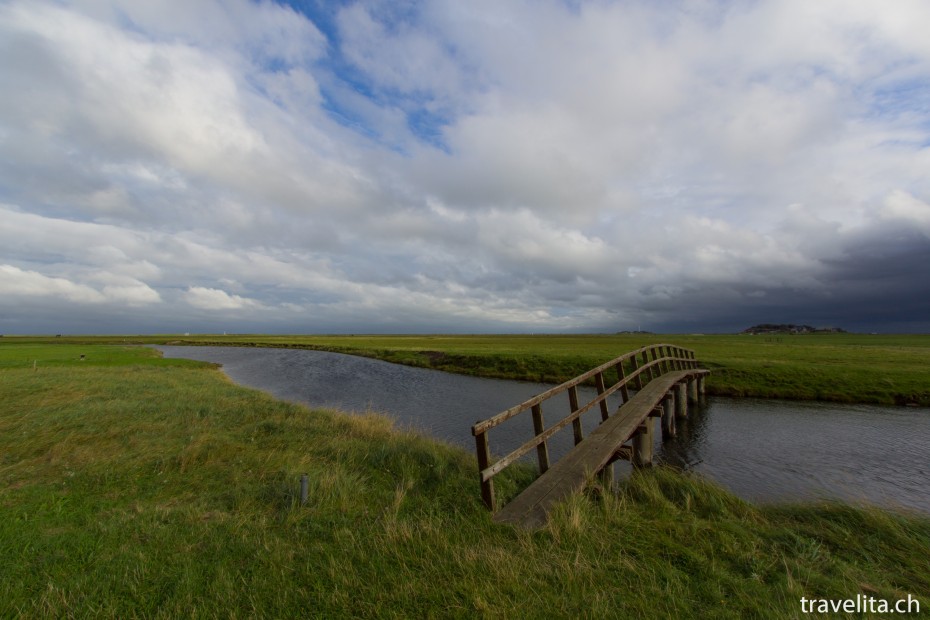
(448, 166)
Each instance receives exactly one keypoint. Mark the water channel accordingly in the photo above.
(762, 450)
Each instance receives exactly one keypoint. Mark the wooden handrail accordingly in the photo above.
(483, 425)
(656, 360)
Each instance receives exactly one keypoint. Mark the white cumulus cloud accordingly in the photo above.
(216, 299)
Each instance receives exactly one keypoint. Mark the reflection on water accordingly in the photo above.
(768, 450)
(762, 450)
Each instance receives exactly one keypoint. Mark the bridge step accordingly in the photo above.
(574, 471)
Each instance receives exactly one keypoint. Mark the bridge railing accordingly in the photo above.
(634, 369)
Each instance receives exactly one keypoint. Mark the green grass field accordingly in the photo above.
(132, 486)
(833, 367)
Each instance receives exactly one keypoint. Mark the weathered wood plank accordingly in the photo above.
(531, 508)
(623, 453)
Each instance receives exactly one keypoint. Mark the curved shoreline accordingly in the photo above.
(836, 368)
(739, 443)
(550, 370)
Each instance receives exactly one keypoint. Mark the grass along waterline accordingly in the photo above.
(154, 487)
(851, 368)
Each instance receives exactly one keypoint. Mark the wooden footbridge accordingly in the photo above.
(665, 377)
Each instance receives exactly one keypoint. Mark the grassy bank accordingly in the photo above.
(135, 486)
(890, 370)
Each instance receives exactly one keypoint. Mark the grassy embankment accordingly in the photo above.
(136, 486)
(834, 367)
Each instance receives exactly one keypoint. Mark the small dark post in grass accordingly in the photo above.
(304, 489)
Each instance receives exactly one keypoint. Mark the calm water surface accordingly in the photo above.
(763, 450)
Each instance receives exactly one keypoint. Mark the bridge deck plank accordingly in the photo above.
(531, 508)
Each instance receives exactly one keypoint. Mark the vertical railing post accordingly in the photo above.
(648, 371)
(484, 461)
(542, 450)
(573, 405)
(601, 388)
(621, 377)
(639, 375)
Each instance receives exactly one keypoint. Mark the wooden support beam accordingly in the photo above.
(623, 453)
(693, 390)
(642, 444)
(606, 475)
(484, 461)
(668, 417)
(681, 400)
